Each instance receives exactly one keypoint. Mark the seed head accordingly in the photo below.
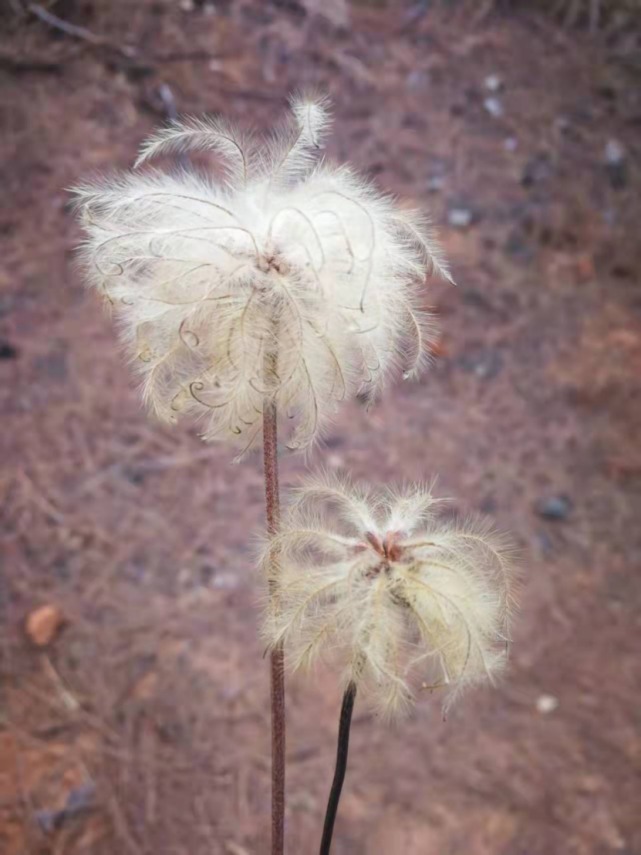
(284, 278)
(390, 591)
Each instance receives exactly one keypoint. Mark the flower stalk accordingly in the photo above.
(277, 657)
(342, 749)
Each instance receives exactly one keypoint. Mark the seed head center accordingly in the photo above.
(271, 259)
(389, 547)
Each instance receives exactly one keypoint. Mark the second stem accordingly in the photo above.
(342, 749)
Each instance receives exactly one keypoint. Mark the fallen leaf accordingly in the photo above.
(43, 623)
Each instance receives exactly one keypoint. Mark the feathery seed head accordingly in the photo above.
(287, 279)
(390, 590)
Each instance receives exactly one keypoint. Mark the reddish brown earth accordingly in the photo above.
(149, 707)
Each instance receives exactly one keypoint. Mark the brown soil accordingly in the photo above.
(149, 707)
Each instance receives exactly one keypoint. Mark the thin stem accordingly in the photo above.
(277, 664)
(342, 749)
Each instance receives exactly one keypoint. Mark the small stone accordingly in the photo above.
(48, 820)
(8, 350)
(43, 623)
(435, 183)
(546, 704)
(485, 364)
(225, 581)
(417, 79)
(460, 218)
(614, 153)
(80, 798)
(493, 83)
(510, 143)
(489, 367)
(232, 848)
(554, 507)
(615, 163)
(494, 106)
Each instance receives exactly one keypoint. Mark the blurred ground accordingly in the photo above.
(143, 726)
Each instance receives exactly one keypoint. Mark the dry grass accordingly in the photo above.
(594, 14)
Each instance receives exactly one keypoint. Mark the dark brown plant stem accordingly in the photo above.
(344, 725)
(272, 504)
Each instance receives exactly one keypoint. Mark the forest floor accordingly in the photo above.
(143, 726)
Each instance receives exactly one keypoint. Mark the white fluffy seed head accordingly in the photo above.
(286, 279)
(389, 592)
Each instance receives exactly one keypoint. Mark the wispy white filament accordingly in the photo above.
(382, 586)
(287, 278)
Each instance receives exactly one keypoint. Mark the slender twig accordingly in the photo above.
(272, 503)
(341, 766)
(77, 32)
(24, 65)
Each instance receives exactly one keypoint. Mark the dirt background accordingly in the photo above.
(143, 726)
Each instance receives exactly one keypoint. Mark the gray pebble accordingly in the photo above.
(493, 83)
(435, 183)
(485, 364)
(614, 153)
(417, 79)
(494, 106)
(614, 158)
(460, 218)
(554, 507)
